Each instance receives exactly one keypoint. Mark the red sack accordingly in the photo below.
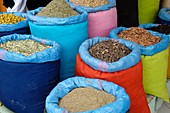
(130, 79)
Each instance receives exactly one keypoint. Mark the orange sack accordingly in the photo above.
(130, 79)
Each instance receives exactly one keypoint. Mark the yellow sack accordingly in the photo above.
(155, 74)
(148, 10)
(169, 63)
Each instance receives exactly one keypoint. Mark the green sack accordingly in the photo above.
(151, 75)
(148, 10)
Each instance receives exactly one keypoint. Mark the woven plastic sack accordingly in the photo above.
(68, 32)
(100, 19)
(20, 27)
(164, 16)
(121, 105)
(127, 72)
(148, 11)
(151, 51)
(26, 81)
(153, 25)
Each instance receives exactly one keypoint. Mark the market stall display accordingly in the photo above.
(164, 29)
(11, 23)
(69, 32)
(154, 58)
(69, 86)
(126, 72)
(101, 19)
(25, 81)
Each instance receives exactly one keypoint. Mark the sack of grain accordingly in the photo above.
(72, 92)
(148, 11)
(126, 72)
(164, 29)
(154, 57)
(29, 70)
(164, 16)
(102, 15)
(11, 23)
(69, 31)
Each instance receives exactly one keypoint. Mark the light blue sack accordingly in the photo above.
(68, 32)
(148, 50)
(163, 14)
(124, 63)
(111, 4)
(47, 55)
(121, 105)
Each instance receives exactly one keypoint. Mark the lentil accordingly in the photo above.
(83, 99)
(24, 47)
(89, 3)
(10, 19)
(57, 8)
(139, 36)
(109, 51)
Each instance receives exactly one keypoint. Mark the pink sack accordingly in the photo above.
(101, 23)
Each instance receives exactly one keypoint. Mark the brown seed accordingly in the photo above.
(109, 51)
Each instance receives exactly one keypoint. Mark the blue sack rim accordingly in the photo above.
(124, 63)
(12, 27)
(121, 104)
(163, 14)
(47, 55)
(112, 3)
(149, 50)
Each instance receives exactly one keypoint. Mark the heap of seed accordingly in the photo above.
(25, 47)
(83, 99)
(90, 3)
(10, 19)
(165, 29)
(109, 51)
(57, 8)
(139, 36)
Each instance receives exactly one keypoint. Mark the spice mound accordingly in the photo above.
(89, 3)
(10, 19)
(165, 29)
(25, 47)
(109, 51)
(139, 36)
(57, 8)
(83, 99)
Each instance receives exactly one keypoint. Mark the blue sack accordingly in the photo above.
(20, 27)
(164, 17)
(25, 82)
(148, 50)
(124, 63)
(68, 32)
(150, 25)
(111, 4)
(121, 105)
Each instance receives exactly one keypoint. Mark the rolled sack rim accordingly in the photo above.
(112, 3)
(47, 55)
(41, 20)
(123, 63)
(148, 50)
(12, 27)
(69, 84)
(163, 14)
